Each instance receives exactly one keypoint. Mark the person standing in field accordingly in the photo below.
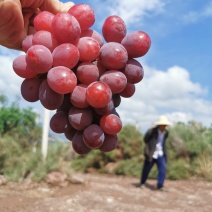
(155, 152)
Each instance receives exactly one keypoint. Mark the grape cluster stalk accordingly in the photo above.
(81, 74)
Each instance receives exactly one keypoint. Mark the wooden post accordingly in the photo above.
(45, 133)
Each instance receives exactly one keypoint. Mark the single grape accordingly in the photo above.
(21, 69)
(30, 89)
(106, 109)
(136, 43)
(116, 80)
(61, 79)
(114, 29)
(98, 94)
(70, 132)
(46, 39)
(78, 97)
(87, 72)
(39, 58)
(66, 28)
(80, 118)
(113, 55)
(88, 49)
(65, 55)
(110, 143)
(93, 136)
(59, 122)
(93, 34)
(133, 71)
(79, 145)
(111, 124)
(27, 43)
(84, 15)
(43, 21)
(128, 91)
(49, 98)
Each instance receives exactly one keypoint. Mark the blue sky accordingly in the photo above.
(177, 68)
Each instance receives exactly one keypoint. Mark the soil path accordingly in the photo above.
(103, 193)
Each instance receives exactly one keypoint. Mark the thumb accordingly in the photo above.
(55, 6)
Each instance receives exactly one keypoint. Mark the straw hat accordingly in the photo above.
(162, 120)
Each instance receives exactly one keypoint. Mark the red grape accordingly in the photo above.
(110, 143)
(30, 89)
(128, 91)
(70, 132)
(133, 71)
(116, 80)
(106, 109)
(98, 94)
(65, 55)
(46, 39)
(79, 145)
(61, 79)
(59, 122)
(84, 15)
(88, 49)
(114, 29)
(93, 136)
(49, 98)
(66, 28)
(21, 69)
(93, 34)
(137, 44)
(77, 96)
(27, 43)
(111, 124)
(80, 118)
(113, 55)
(39, 58)
(43, 21)
(87, 73)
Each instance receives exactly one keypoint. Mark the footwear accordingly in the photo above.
(142, 186)
(162, 189)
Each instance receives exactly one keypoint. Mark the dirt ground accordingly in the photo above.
(100, 193)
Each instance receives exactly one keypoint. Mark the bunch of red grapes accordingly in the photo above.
(69, 68)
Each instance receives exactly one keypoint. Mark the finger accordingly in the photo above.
(12, 30)
(55, 6)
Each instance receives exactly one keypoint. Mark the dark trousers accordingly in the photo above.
(161, 165)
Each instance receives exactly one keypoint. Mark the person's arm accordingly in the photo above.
(15, 16)
(147, 136)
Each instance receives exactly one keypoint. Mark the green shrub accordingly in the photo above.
(18, 162)
(129, 167)
(178, 169)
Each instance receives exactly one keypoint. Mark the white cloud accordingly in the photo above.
(169, 92)
(132, 12)
(9, 81)
(194, 16)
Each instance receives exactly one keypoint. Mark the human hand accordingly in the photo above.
(16, 17)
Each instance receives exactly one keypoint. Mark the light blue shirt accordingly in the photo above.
(159, 146)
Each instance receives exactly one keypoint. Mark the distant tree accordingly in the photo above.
(18, 122)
